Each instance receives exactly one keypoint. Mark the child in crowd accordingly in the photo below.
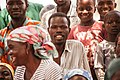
(117, 45)
(89, 31)
(78, 74)
(105, 50)
(104, 6)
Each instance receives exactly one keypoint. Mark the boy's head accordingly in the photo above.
(104, 6)
(85, 9)
(112, 22)
(117, 45)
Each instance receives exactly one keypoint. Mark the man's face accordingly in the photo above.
(58, 29)
(61, 2)
(17, 52)
(104, 6)
(5, 73)
(85, 9)
(16, 8)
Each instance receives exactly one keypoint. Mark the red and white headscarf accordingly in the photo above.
(37, 36)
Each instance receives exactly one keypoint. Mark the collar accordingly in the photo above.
(67, 47)
(10, 26)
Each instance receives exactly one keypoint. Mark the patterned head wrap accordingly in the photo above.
(38, 37)
(81, 72)
(113, 67)
(9, 67)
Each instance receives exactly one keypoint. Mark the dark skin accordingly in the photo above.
(5, 73)
(17, 10)
(63, 5)
(104, 6)
(77, 77)
(27, 56)
(112, 25)
(85, 11)
(59, 31)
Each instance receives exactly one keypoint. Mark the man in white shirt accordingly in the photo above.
(71, 52)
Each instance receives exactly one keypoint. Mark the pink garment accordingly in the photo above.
(90, 36)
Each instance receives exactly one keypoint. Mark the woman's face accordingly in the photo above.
(116, 76)
(5, 73)
(18, 52)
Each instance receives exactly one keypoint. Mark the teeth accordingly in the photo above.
(59, 37)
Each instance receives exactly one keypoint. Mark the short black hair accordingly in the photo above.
(26, 1)
(59, 14)
(110, 13)
(93, 1)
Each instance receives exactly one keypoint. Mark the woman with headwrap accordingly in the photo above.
(6, 72)
(78, 74)
(30, 49)
(113, 71)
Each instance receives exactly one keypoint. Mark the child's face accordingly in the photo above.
(112, 23)
(85, 9)
(77, 77)
(117, 48)
(105, 6)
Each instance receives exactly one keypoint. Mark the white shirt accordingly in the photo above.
(74, 56)
(74, 19)
(47, 70)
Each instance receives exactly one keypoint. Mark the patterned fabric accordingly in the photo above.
(113, 67)
(37, 36)
(5, 32)
(72, 14)
(81, 72)
(47, 70)
(90, 36)
(74, 56)
(104, 54)
(33, 7)
(9, 67)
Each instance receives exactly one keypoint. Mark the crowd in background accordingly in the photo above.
(66, 41)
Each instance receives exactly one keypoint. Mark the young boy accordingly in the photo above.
(105, 49)
(89, 32)
(104, 6)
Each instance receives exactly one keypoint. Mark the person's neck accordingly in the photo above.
(30, 70)
(60, 48)
(18, 22)
(64, 8)
(87, 23)
(111, 38)
(101, 18)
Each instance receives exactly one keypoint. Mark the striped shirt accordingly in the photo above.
(47, 70)
(5, 32)
(74, 56)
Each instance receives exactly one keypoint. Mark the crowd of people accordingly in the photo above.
(60, 42)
